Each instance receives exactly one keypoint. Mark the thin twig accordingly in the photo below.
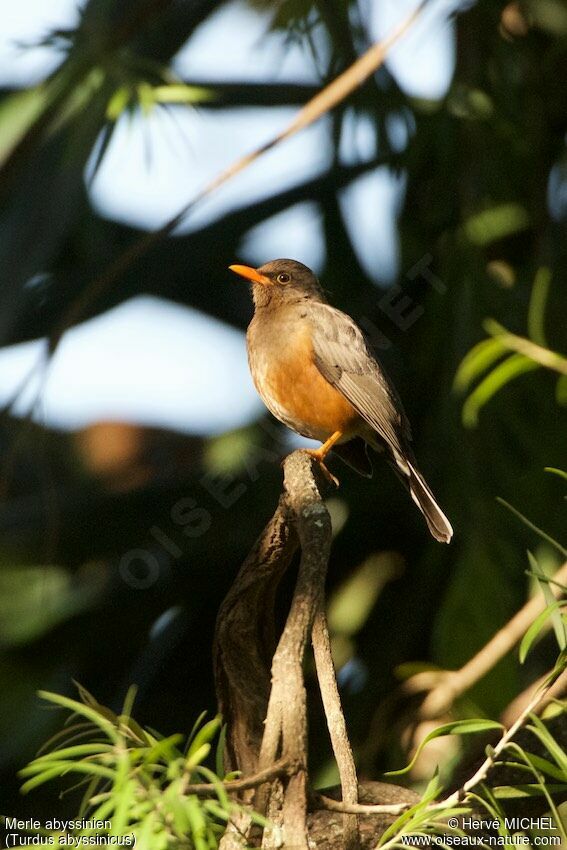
(458, 796)
(282, 767)
(323, 802)
(483, 771)
(336, 725)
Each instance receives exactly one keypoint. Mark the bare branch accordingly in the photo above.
(244, 645)
(282, 767)
(323, 802)
(336, 724)
(244, 640)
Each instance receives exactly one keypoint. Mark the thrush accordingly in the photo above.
(317, 374)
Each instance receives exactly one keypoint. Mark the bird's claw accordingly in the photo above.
(315, 454)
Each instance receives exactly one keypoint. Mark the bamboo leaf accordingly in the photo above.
(512, 367)
(556, 618)
(536, 310)
(535, 629)
(477, 361)
(552, 746)
(560, 472)
(458, 727)
(204, 736)
(92, 714)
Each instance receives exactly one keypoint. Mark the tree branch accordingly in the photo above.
(282, 767)
(336, 724)
(244, 644)
(245, 641)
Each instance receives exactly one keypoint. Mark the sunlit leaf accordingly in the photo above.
(477, 361)
(556, 618)
(496, 223)
(514, 366)
(559, 472)
(556, 750)
(538, 302)
(536, 628)
(458, 727)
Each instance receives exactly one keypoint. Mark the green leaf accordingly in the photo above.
(196, 756)
(560, 472)
(512, 367)
(90, 768)
(554, 749)
(458, 727)
(166, 749)
(487, 799)
(197, 823)
(527, 757)
(495, 223)
(477, 361)
(536, 310)
(220, 790)
(196, 726)
(204, 736)
(71, 752)
(535, 629)
(118, 103)
(518, 792)
(46, 776)
(556, 618)
(541, 763)
(91, 714)
(180, 93)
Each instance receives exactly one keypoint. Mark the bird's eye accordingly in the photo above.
(284, 278)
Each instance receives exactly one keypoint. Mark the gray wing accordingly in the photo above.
(344, 359)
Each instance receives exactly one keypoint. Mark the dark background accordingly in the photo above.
(118, 540)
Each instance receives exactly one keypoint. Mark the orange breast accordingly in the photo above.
(297, 393)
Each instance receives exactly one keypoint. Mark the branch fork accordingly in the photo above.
(260, 684)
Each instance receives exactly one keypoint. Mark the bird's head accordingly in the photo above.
(281, 282)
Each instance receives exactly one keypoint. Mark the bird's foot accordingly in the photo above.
(317, 455)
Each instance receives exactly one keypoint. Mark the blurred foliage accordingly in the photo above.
(143, 787)
(113, 573)
(137, 783)
(517, 355)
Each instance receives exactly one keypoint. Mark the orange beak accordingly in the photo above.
(251, 274)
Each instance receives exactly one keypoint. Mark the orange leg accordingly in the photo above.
(321, 453)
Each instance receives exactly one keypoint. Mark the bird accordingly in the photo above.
(317, 374)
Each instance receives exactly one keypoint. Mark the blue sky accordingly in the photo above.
(136, 362)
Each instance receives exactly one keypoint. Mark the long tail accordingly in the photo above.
(409, 475)
(438, 524)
